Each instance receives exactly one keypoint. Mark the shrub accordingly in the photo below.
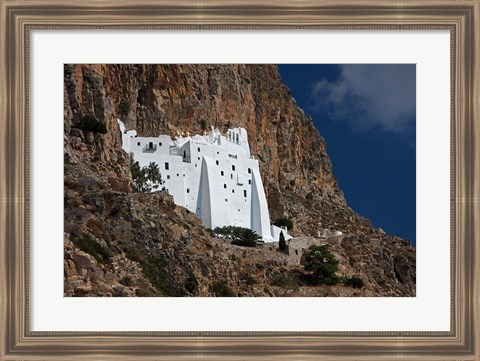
(114, 211)
(285, 282)
(248, 238)
(155, 270)
(284, 222)
(191, 282)
(140, 292)
(355, 282)
(67, 159)
(127, 281)
(91, 124)
(124, 108)
(282, 245)
(93, 248)
(239, 236)
(203, 124)
(249, 280)
(322, 263)
(145, 179)
(67, 70)
(221, 289)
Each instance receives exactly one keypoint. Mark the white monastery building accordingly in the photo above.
(213, 176)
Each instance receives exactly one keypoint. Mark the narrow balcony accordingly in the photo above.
(149, 148)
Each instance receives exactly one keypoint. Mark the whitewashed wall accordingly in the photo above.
(213, 176)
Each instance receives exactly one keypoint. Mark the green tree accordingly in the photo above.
(248, 238)
(282, 245)
(284, 222)
(145, 179)
(322, 263)
(239, 236)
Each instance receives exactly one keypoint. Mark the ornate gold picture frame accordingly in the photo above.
(19, 18)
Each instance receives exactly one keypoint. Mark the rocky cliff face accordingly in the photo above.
(171, 99)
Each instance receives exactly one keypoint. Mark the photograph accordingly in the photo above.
(239, 180)
(242, 180)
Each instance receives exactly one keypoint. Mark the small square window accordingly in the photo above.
(178, 175)
(226, 200)
(233, 190)
(168, 176)
(198, 158)
(218, 152)
(160, 144)
(138, 143)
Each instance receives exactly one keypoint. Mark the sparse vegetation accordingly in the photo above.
(239, 236)
(115, 211)
(154, 269)
(127, 281)
(145, 179)
(140, 292)
(249, 279)
(221, 289)
(90, 123)
(93, 248)
(322, 263)
(203, 124)
(191, 283)
(66, 159)
(285, 281)
(355, 282)
(67, 70)
(124, 108)
(284, 222)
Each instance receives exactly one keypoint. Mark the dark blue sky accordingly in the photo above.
(366, 113)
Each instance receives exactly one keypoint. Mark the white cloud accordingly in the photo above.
(370, 95)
